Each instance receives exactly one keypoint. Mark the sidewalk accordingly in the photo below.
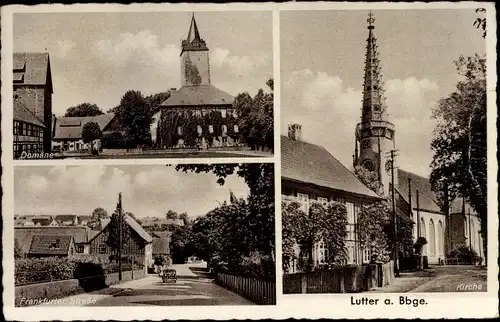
(92, 297)
(405, 282)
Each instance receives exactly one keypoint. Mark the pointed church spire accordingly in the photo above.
(193, 41)
(194, 34)
(373, 96)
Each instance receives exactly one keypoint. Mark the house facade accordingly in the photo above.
(68, 131)
(466, 227)
(138, 245)
(28, 131)
(311, 174)
(197, 114)
(32, 82)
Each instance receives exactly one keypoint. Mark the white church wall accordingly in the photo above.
(433, 227)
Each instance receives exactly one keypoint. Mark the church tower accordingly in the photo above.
(195, 64)
(374, 134)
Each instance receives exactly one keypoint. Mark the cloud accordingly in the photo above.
(329, 112)
(146, 190)
(63, 47)
(238, 65)
(37, 182)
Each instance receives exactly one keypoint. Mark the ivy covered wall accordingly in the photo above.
(190, 129)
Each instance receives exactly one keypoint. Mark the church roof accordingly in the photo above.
(427, 197)
(309, 163)
(71, 127)
(32, 69)
(21, 113)
(198, 95)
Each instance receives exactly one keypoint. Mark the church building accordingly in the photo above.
(374, 141)
(198, 114)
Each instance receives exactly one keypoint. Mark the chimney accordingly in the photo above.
(295, 132)
(173, 89)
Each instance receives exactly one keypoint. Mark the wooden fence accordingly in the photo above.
(257, 291)
(342, 279)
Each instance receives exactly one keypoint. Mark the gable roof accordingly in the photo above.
(456, 207)
(197, 95)
(161, 246)
(21, 113)
(133, 224)
(65, 217)
(24, 234)
(44, 245)
(151, 221)
(309, 163)
(71, 127)
(427, 198)
(32, 69)
(161, 234)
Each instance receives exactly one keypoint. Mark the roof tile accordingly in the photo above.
(310, 163)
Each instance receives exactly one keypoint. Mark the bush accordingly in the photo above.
(116, 140)
(256, 265)
(39, 270)
(463, 253)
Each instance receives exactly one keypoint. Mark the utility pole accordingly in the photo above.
(394, 217)
(421, 262)
(120, 219)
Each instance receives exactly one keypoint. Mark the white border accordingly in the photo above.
(440, 305)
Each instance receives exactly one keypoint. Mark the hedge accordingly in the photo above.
(40, 270)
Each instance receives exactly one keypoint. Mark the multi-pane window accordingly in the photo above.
(224, 128)
(351, 221)
(304, 201)
(16, 127)
(179, 130)
(223, 113)
(229, 113)
(211, 129)
(199, 130)
(102, 249)
(366, 256)
(322, 200)
(236, 129)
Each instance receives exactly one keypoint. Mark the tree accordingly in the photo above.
(323, 223)
(256, 118)
(171, 215)
(480, 22)
(95, 220)
(185, 218)
(157, 99)
(91, 131)
(459, 165)
(237, 229)
(113, 229)
(136, 116)
(85, 109)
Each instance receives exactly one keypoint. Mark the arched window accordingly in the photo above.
(473, 234)
(423, 233)
(440, 238)
(432, 238)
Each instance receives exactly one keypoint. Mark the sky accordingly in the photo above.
(322, 69)
(147, 190)
(97, 57)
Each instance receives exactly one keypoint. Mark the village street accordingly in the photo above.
(463, 278)
(193, 287)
